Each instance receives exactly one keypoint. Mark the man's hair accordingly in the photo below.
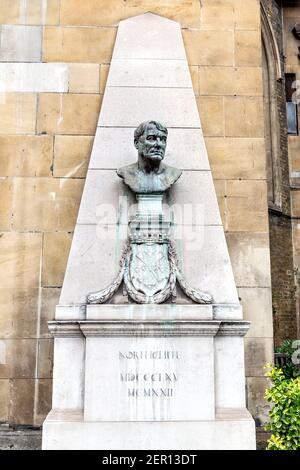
(143, 126)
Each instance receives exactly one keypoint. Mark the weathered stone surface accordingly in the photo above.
(221, 14)
(68, 375)
(209, 47)
(143, 311)
(20, 259)
(196, 207)
(175, 107)
(104, 69)
(20, 43)
(68, 113)
(211, 110)
(17, 113)
(229, 362)
(250, 257)
(17, 358)
(46, 204)
(295, 200)
(84, 78)
(106, 396)
(94, 256)
(186, 12)
(50, 298)
(247, 18)
(231, 432)
(97, 12)
(296, 236)
(209, 245)
(246, 209)
(258, 353)
(35, 78)
(257, 404)
(21, 401)
(247, 49)
(243, 117)
(9, 13)
(19, 310)
(26, 155)
(149, 45)
(4, 400)
(220, 186)
(91, 12)
(89, 45)
(20, 439)
(105, 199)
(6, 203)
(236, 158)
(71, 155)
(45, 358)
(294, 152)
(56, 247)
(243, 81)
(31, 12)
(44, 401)
(138, 73)
(257, 308)
(194, 72)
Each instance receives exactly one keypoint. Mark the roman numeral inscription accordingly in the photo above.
(143, 374)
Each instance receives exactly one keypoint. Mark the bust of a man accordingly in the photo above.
(149, 174)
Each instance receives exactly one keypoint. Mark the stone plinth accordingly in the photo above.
(176, 366)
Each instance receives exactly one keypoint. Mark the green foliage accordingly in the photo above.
(288, 348)
(285, 414)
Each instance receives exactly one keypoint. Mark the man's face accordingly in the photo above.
(152, 144)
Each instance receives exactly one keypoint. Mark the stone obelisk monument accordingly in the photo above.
(149, 350)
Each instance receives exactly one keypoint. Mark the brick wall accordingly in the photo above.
(281, 242)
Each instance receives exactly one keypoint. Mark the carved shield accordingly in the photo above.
(149, 268)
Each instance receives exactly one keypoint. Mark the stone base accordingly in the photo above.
(20, 438)
(233, 429)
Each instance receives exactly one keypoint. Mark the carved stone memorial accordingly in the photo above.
(149, 349)
(149, 266)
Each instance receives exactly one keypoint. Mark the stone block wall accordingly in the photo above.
(61, 49)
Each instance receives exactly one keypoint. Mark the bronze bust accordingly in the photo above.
(149, 174)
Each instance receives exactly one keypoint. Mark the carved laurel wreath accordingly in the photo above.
(169, 291)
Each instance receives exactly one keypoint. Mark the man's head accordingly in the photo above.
(150, 139)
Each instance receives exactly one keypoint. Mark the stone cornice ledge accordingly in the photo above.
(65, 329)
(149, 328)
(157, 328)
(234, 328)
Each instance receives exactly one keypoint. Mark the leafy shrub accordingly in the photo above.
(285, 414)
(288, 348)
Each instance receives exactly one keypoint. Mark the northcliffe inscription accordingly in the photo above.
(144, 382)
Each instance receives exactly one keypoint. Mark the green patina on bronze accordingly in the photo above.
(149, 175)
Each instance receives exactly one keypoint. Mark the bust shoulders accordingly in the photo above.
(141, 182)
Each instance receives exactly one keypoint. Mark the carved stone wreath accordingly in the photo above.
(137, 295)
